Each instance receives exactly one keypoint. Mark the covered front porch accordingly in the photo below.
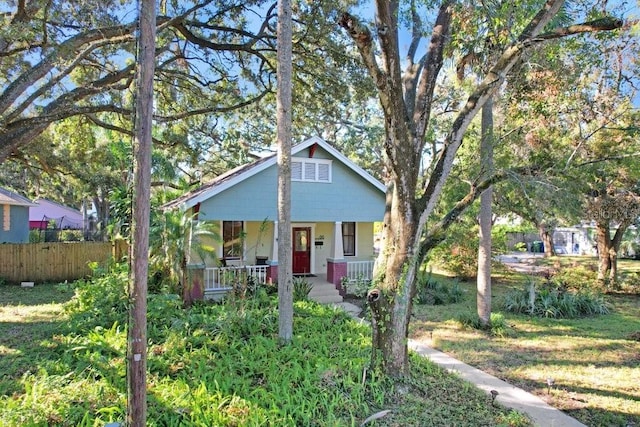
(218, 281)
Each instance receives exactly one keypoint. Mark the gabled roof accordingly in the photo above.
(239, 174)
(51, 209)
(10, 198)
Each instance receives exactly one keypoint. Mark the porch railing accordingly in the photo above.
(224, 278)
(359, 270)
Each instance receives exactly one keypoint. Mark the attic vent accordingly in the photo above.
(296, 171)
(311, 170)
(324, 172)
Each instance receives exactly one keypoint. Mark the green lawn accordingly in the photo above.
(213, 365)
(28, 316)
(594, 362)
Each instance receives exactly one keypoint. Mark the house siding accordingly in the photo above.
(364, 241)
(253, 199)
(259, 240)
(19, 225)
(347, 198)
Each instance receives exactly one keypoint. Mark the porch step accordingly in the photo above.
(324, 293)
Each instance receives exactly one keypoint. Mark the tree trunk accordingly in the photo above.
(137, 333)
(284, 75)
(613, 270)
(483, 299)
(391, 300)
(546, 236)
(101, 205)
(187, 292)
(603, 241)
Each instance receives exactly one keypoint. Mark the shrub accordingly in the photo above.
(630, 282)
(576, 278)
(102, 300)
(71, 235)
(462, 260)
(301, 289)
(497, 324)
(35, 236)
(358, 287)
(433, 292)
(551, 300)
(458, 253)
(161, 281)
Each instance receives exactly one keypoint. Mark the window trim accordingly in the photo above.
(222, 249)
(355, 239)
(316, 162)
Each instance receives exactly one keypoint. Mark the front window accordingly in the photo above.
(349, 238)
(232, 233)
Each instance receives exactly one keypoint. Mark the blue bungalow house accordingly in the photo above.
(334, 204)
(14, 217)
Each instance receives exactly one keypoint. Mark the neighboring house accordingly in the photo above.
(334, 204)
(14, 217)
(576, 240)
(47, 213)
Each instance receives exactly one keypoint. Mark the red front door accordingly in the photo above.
(301, 250)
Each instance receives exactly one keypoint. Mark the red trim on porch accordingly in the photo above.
(335, 272)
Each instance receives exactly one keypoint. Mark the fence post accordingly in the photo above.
(120, 249)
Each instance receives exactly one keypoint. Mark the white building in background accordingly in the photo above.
(574, 240)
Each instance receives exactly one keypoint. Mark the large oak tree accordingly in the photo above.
(71, 58)
(407, 99)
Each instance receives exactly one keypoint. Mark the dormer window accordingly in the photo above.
(310, 170)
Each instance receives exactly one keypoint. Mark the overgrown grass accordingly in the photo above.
(211, 365)
(28, 316)
(594, 361)
(552, 299)
(430, 290)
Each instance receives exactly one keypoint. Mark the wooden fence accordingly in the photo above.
(55, 262)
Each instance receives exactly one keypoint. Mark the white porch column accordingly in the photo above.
(274, 248)
(337, 250)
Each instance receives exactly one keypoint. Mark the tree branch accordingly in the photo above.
(433, 64)
(436, 233)
(604, 24)
(495, 77)
(361, 35)
(65, 51)
(164, 119)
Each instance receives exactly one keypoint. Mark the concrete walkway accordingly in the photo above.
(542, 414)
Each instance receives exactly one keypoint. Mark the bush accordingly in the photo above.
(301, 289)
(497, 324)
(553, 301)
(432, 292)
(462, 260)
(358, 287)
(630, 282)
(576, 278)
(458, 253)
(102, 300)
